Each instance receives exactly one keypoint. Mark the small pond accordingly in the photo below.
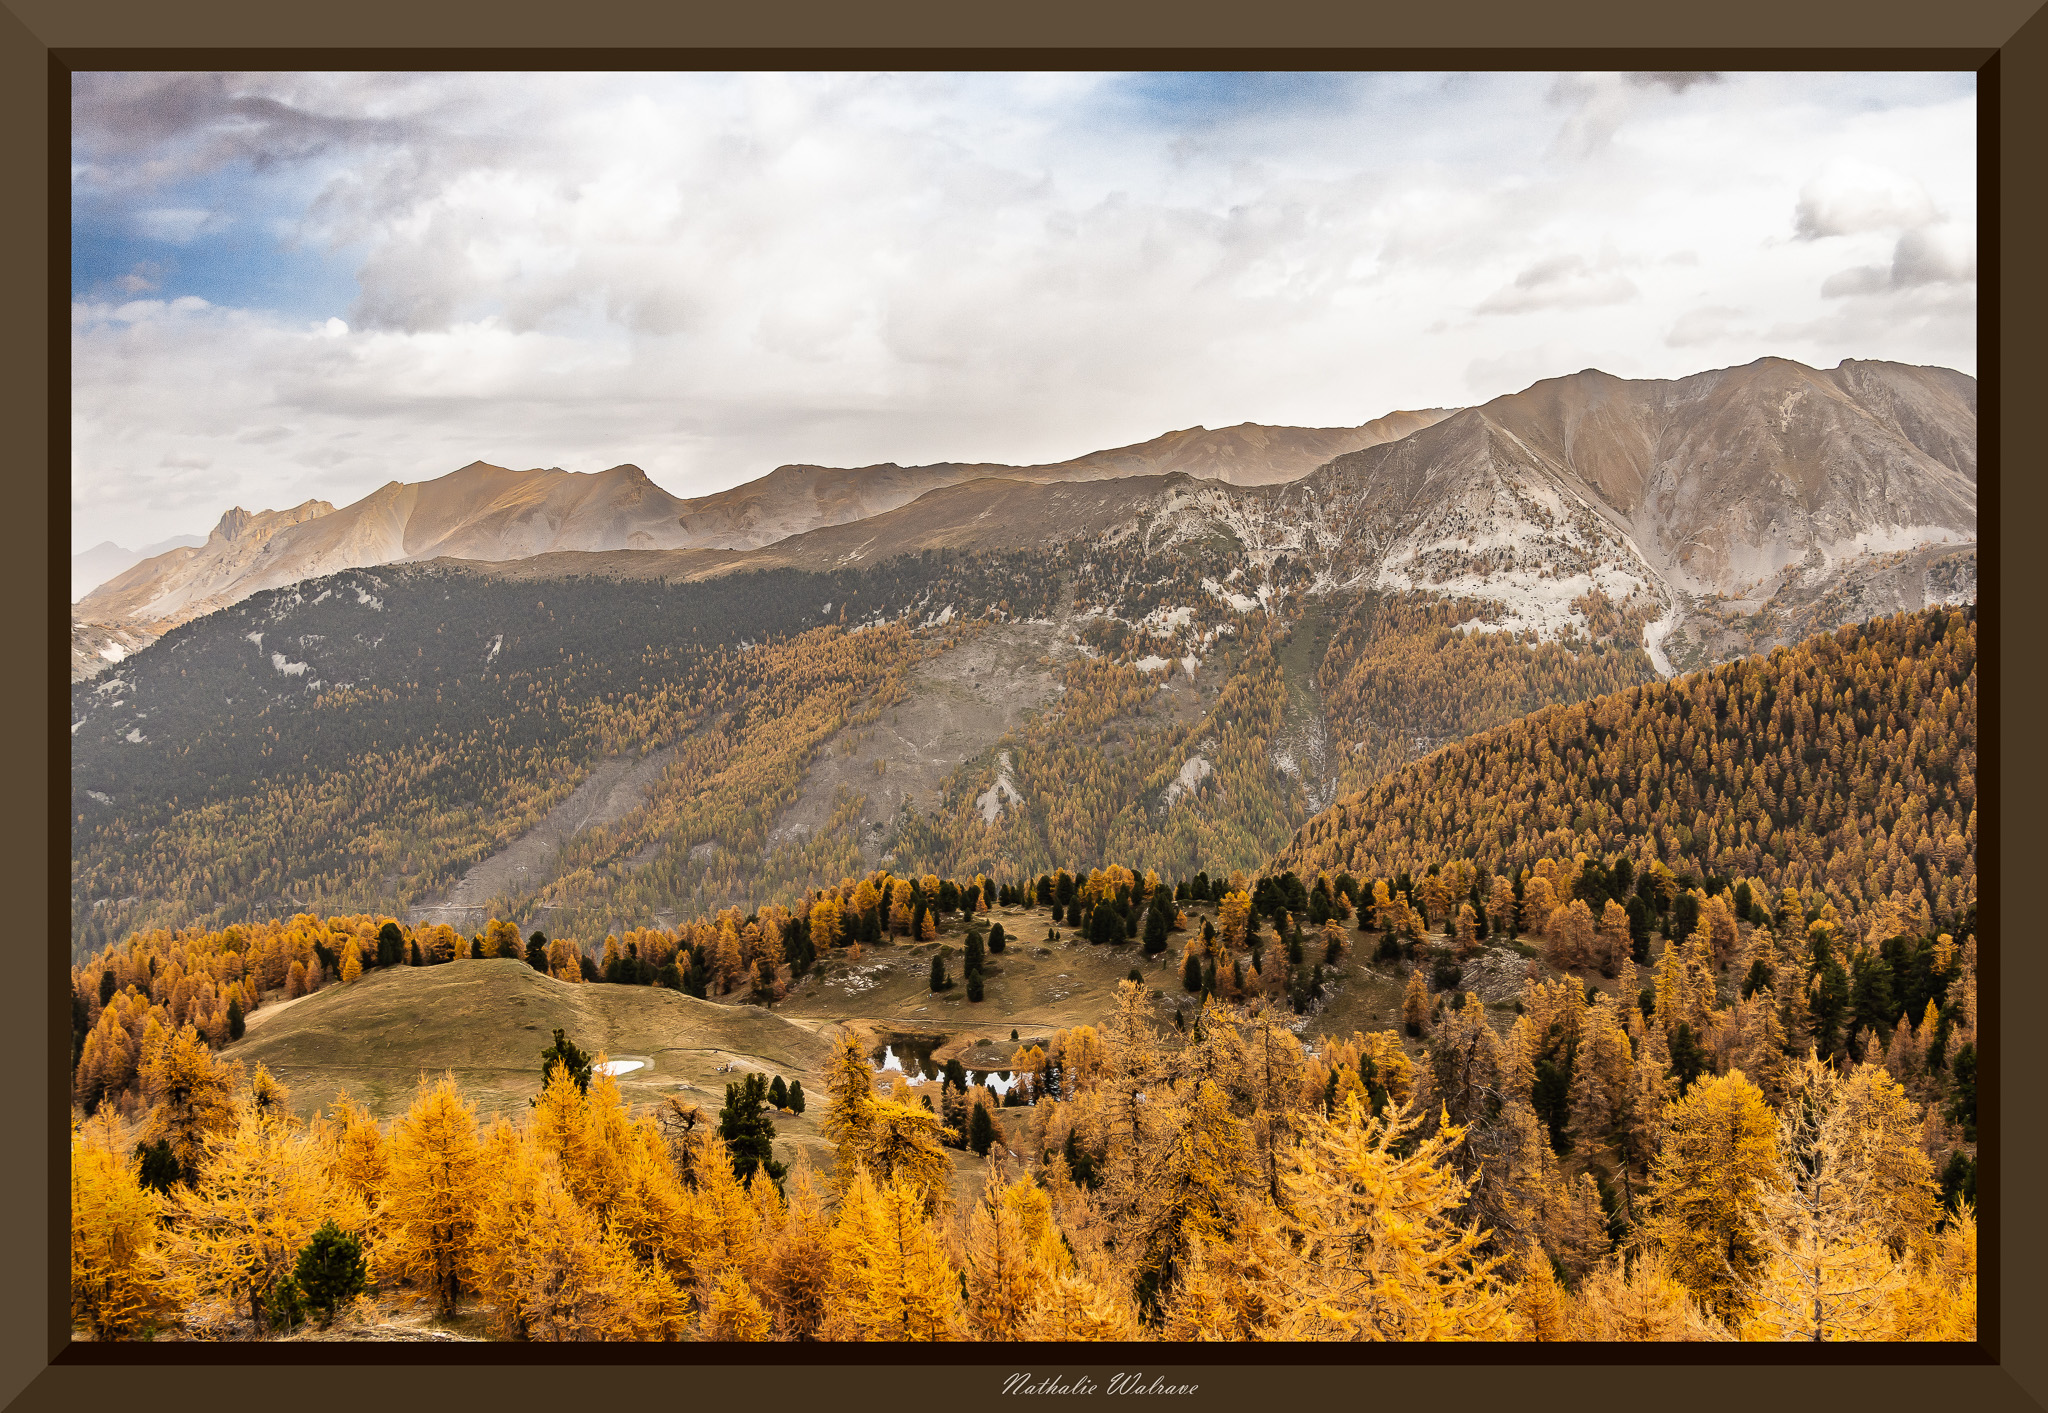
(911, 1056)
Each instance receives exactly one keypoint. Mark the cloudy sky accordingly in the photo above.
(305, 285)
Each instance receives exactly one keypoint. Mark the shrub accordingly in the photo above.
(330, 1271)
(160, 1171)
(284, 1305)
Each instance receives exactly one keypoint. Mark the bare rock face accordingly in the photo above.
(1727, 479)
(1726, 511)
(1497, 974)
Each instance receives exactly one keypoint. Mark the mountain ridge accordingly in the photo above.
(1734, 509)
(492, 513)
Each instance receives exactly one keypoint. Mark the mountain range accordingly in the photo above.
(486, 512)
(1736, 508)
(1163, 666)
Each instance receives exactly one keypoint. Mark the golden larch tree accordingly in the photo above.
(1720, 1152)
(439, 1179)
(117, 1273)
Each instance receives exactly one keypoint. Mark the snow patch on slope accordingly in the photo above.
(1240, 602)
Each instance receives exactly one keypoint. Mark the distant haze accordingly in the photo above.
(103, 561)
(293, 287)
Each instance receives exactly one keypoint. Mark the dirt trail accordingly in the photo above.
(611, 792)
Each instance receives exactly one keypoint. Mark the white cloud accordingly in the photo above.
(1935, 254)
(710, 275)
(1849, 197)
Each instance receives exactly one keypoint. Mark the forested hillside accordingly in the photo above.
(360, 742)
(1846, 765)
(355, 742)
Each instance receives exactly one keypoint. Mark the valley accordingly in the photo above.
(734, 766)
(1555, 994)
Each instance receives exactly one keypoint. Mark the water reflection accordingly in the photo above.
(921, 1070)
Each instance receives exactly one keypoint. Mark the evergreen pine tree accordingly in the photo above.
(159, 1169)
(330, 1270)
(564, 1053)
(1958, 1182)
(938, 973)
(1688, 1060)
(981, 1131)
(1156, 928)
(237, 1024)
(748, 1132)
(796, 1096)
(1191, 973)
(1963, 1106)
(778, 1093)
